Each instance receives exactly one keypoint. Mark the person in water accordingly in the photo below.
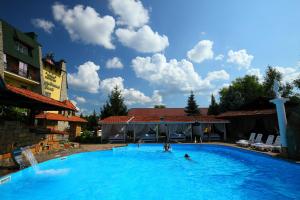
(167, 147)
(187, 156)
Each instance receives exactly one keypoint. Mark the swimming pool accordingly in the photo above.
(214, 172)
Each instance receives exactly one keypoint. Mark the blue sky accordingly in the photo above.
(161, 50)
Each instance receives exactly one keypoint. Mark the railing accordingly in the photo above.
(29, 74)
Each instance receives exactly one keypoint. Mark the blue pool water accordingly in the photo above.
(215, 172)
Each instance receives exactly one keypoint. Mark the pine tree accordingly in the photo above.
(192, 107)
(115, 105)
(92, 121)
(214, 108)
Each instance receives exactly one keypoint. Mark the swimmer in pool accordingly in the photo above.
(167, 147)
(186, 156)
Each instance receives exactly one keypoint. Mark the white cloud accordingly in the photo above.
(256, 72)
(173, 75)
(289, 74)
(46, 25)
(86, 79)
(201, 51)
(114, 63)
(240, 58)
(85, 111)
(107, 85)
(85, 24)
(130, 12)
(131, 95)
(219, 57)
(143, 40)
(80, 99)
(217, 75)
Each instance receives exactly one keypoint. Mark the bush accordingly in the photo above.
(87, 137)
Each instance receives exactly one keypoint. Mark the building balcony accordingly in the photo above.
(29, 77)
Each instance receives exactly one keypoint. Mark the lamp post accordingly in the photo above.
(281, 116)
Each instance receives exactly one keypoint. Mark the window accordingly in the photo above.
(4, 58)
(5, 61)
(22, 69)
(47, 94)
(22, 48)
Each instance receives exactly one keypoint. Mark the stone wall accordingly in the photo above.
(14, 134)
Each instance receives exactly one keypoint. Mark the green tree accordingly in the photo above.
(213, 108)
(242, 91)
(114, 106)
(159, 106)
(230, 99)
(192, 107)
(271, 75)
(297, 83)
(287, 90)
(92, 121)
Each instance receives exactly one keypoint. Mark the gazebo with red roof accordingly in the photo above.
(142, 123)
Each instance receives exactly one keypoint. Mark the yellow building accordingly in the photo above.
(54, 78)
(54, 85)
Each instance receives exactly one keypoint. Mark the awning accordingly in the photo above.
(23, 98)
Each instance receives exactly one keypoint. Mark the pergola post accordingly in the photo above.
(157, 132)
(191, 125)
(125, 134)
(225, 134)
(133, 132)
(168, 133)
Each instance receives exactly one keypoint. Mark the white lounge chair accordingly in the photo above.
(117, 138)
(148, 137)
(276, 146)
(177, 137)
(245, 143)
(263, 146)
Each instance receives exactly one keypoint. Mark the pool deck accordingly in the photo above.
(48, 155)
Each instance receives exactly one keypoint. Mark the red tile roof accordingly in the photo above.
(76, 119)
(70, 104)
(161, 112)
(40, 98)
(58, 117)
(242, 113)
(156, 119)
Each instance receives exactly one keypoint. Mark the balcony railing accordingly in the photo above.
(29, 74)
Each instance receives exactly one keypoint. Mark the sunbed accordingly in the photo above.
(276, 146)
(177, 137)
(212, 137)
(245, 143)
(117, 138)
(148, 137)
(263, 146)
